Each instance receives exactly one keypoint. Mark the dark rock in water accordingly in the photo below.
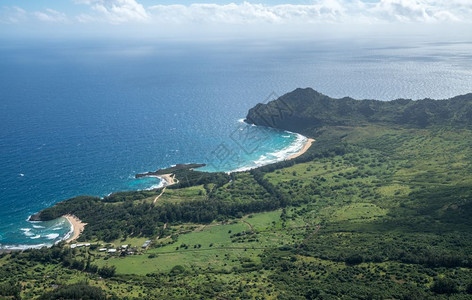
(35, 217)
(178, 167)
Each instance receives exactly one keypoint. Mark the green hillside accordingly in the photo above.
(375, 209)
(306, 109)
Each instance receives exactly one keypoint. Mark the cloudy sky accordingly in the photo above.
(167, 15)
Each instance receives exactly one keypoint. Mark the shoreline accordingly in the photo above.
(77, 227)
(167, 179)
(305, 147)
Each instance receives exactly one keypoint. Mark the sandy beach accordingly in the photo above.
(303, 150)
(77, 226)
(168, 178)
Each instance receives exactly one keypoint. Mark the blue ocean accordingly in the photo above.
(83, 117)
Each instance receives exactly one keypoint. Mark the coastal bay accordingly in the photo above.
(77, 227)
(291, 216)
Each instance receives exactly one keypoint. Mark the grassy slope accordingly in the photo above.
(396, 195)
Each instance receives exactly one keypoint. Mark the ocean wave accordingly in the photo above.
(38, 226)
(27, 231)
(52, 236)
(24, 246)
(156, 186)
(277, 156)
(293, 148)
(35, 237)
(68, 234)
(262, 159)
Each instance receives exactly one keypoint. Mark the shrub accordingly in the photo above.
(444, 286)
(355, 259)
(75, 291)
(178, 269)
(469, 288)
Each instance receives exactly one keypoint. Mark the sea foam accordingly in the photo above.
(52, 236)
(23, 246)
(277, 156)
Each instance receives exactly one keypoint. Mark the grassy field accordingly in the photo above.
(368, 187)
(183, 194)
(387, 218)
(216, 246)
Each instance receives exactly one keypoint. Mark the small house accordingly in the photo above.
(146, 244)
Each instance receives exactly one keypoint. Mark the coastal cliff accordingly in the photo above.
(303, 109)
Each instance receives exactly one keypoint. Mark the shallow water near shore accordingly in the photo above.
(276, 146)
(84, 120)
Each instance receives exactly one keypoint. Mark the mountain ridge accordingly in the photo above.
(306, 108)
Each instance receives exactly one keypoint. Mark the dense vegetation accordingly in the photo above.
(369, 212)
(305, 109)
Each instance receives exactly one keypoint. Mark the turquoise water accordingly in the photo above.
(231, 155)
(85, 117)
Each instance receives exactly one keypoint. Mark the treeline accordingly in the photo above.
(10, 289)
(65, 256)
(282, 199)
(80, 291)
(314, 279)
(109, 222)
(130, 196)
(435, 259)
(188, 178)
(17, 265)
(430, 250)
(120, 215)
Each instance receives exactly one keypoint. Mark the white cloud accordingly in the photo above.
(50, 15)
(10, 15)
(416, 11)
(318, 12)
(321, 11)
(247, 13)
(114, 11)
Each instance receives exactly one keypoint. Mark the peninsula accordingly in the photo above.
(380, 208)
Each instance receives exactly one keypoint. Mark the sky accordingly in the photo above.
(253, 17)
